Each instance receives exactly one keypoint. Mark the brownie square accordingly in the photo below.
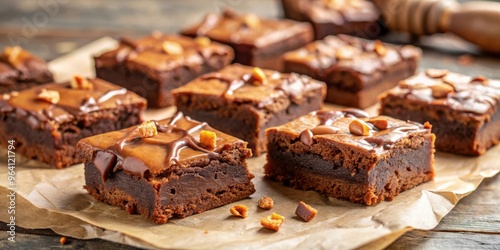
(47, 121)
(156, 64)
(164, 169)
(329, 17)
(348, 155)
(237, 101)
(463, 110)
(256, 41)
(21, 70)
(355, 70)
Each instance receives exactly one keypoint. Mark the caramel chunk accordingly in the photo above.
(258, 76)
(379, 123)
(266, 203)
(80, 82)
(148, 129)
(380, 48)
(51, 96)
(305, 211)
(441, 90)
(239, 211)
(208, 139)
(203, 41)
(273, 221)
(359, 127)
(172, 48)
(436, 73)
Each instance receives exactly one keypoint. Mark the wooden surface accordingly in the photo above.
(54, 27)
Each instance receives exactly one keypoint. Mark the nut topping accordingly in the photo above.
(380, 48)
(359, 127)
(51, 96)
(258, 76)
(12, 55)
(148, 129)
(344, 53)
(436, 73)
(379, 123)
(273, 222)
(239, 211)
(251, 21)
(481, 79)
(441, 90)
(79, 82)
(324, 130)
(404, 84)
(266, 202)
(208, 139)
(172, 48)
(203, 41)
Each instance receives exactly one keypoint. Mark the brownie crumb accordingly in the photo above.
(266, 203)
(305, 212)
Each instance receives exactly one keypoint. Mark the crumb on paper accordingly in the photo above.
(305, 212)
(266, 202)
(273, 222)
(239, 211)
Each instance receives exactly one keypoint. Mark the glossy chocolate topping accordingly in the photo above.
(149, 56)
(176, 142)
(73, 102)
(245, 29)
(334, 126)
(339, 11)
(18, 65)
(459, 92)
(236, 83)
(351, 53)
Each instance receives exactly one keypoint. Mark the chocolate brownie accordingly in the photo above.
(20, 70)
(243, 101)
(463, 110)
(348, 155)
(156, 64)
(170, 168)
(48, 120)
(256, 41)
(333, 17)
(355, 70)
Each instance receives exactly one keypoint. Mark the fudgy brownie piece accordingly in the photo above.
(331, 17)
(20, 70)
(463, 110)
(47, 121)
(243, 101)
(256, 41)
(348, 155)
(170, 168)
(355, 70)
(156, 64)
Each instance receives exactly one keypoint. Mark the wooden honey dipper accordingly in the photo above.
(477, 21)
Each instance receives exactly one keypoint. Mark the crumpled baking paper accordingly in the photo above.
(52, 198)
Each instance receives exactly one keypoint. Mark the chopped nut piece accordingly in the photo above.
(344, 53)
(251, 21)
(324, 130)
(172, 48)
(203, 41)
(305, 211)
(306, 137)
(259, 76)
(359, 127)
(441, 90)
(266, 203)
(6, 97)
(239, 211)
(12, 54)
(272, 222)
(380, 48)
(148, 129)
(405, 85)
(427, 125)
(436, 73)
(63, 240)
(379, 123)
(481, 79)
(208, 139)
(79, 82)
(51, 96)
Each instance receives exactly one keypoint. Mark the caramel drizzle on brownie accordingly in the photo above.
(91, 104)
(173, 147)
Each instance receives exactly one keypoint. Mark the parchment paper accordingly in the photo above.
(51, 198)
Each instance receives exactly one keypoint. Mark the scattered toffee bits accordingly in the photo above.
(266, 203)
(359, 127)
(148, 129)
(51, 96)
(208, 139)
(239, 211)
(79, 82)
(305, 212)
(172, 48)
(272, 222)
(258, 76)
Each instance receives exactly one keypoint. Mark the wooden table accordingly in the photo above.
(54, 27)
